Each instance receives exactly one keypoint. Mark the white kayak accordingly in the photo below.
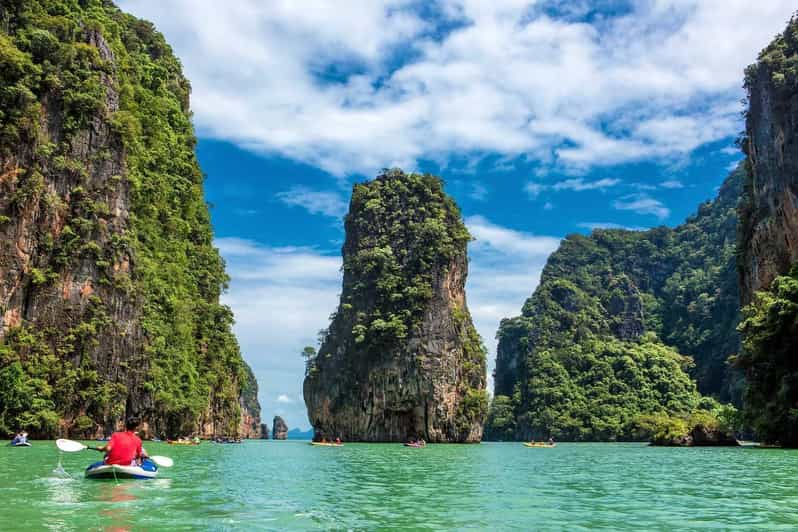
(146, 470)
(20, 444)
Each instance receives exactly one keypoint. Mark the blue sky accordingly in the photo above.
(544, 118)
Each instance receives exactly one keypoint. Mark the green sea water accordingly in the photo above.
(268, 485)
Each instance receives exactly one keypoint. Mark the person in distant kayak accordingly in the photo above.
(551, 440)
(17, 439)
(125, 448)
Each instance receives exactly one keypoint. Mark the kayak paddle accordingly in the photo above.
(71, 446)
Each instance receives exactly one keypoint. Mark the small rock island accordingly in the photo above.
(401, 358)
(279, 429)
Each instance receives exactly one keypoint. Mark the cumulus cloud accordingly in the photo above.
(478, 192)
(314, 201)
(579, 184)
(504, 270)
(608, 225)
(534, 189)
(504, 241)
(672, 183)
(355, 86)
(281, 298)
(283, 398)
(642, 204)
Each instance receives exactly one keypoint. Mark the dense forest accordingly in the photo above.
(401, 357)
(620, 329)
(109, 282)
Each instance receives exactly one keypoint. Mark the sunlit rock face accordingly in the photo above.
(769, 208)
(401, 358)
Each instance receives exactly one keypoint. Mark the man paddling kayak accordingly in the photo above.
(125, 448)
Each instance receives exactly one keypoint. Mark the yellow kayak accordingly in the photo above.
(546, 445)
(320, 444)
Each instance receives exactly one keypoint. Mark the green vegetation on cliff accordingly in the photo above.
(770, 345)
(69, 70)
(401, 357)
(609, 334)
(402, 229)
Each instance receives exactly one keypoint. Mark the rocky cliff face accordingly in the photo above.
(769, 210)
(768, 242)
(279, 428)
(250, 426)
(401, 357)
(109, 284)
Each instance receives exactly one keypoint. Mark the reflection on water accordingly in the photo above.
(117, 513)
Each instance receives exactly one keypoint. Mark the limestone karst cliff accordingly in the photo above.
(769, 210)
(109, 282)
(401, 357)
(768, 242)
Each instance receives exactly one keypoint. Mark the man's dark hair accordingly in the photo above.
(132, 423)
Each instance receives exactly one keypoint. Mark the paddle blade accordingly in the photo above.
(162, 461)
(69, 446)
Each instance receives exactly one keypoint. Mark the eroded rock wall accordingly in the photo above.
(401, 358)
(769, 210)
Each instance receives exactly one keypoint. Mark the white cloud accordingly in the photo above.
(579, 184)
(534, 189)
(318, 81)
(314, 201)
(672, 183)
(504, 270)
(283, 398)
(478, 192)
(281, 298)
(642, 204)
(608, 225)
(497, 239)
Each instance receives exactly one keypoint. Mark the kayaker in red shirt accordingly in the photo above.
(125, 448)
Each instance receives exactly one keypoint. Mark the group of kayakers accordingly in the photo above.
(225, 439)
(550, 442)
(413, 442)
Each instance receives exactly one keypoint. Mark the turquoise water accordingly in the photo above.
(268, 485)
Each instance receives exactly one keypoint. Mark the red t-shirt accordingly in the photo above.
(123, 448)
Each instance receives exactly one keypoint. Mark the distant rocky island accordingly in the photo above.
(401, 358)
(279, 428)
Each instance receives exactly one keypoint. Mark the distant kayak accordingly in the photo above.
(101, 470)
(178, 442)
(320, 444)
(19, 444)
(545, 445)
(414, 445)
